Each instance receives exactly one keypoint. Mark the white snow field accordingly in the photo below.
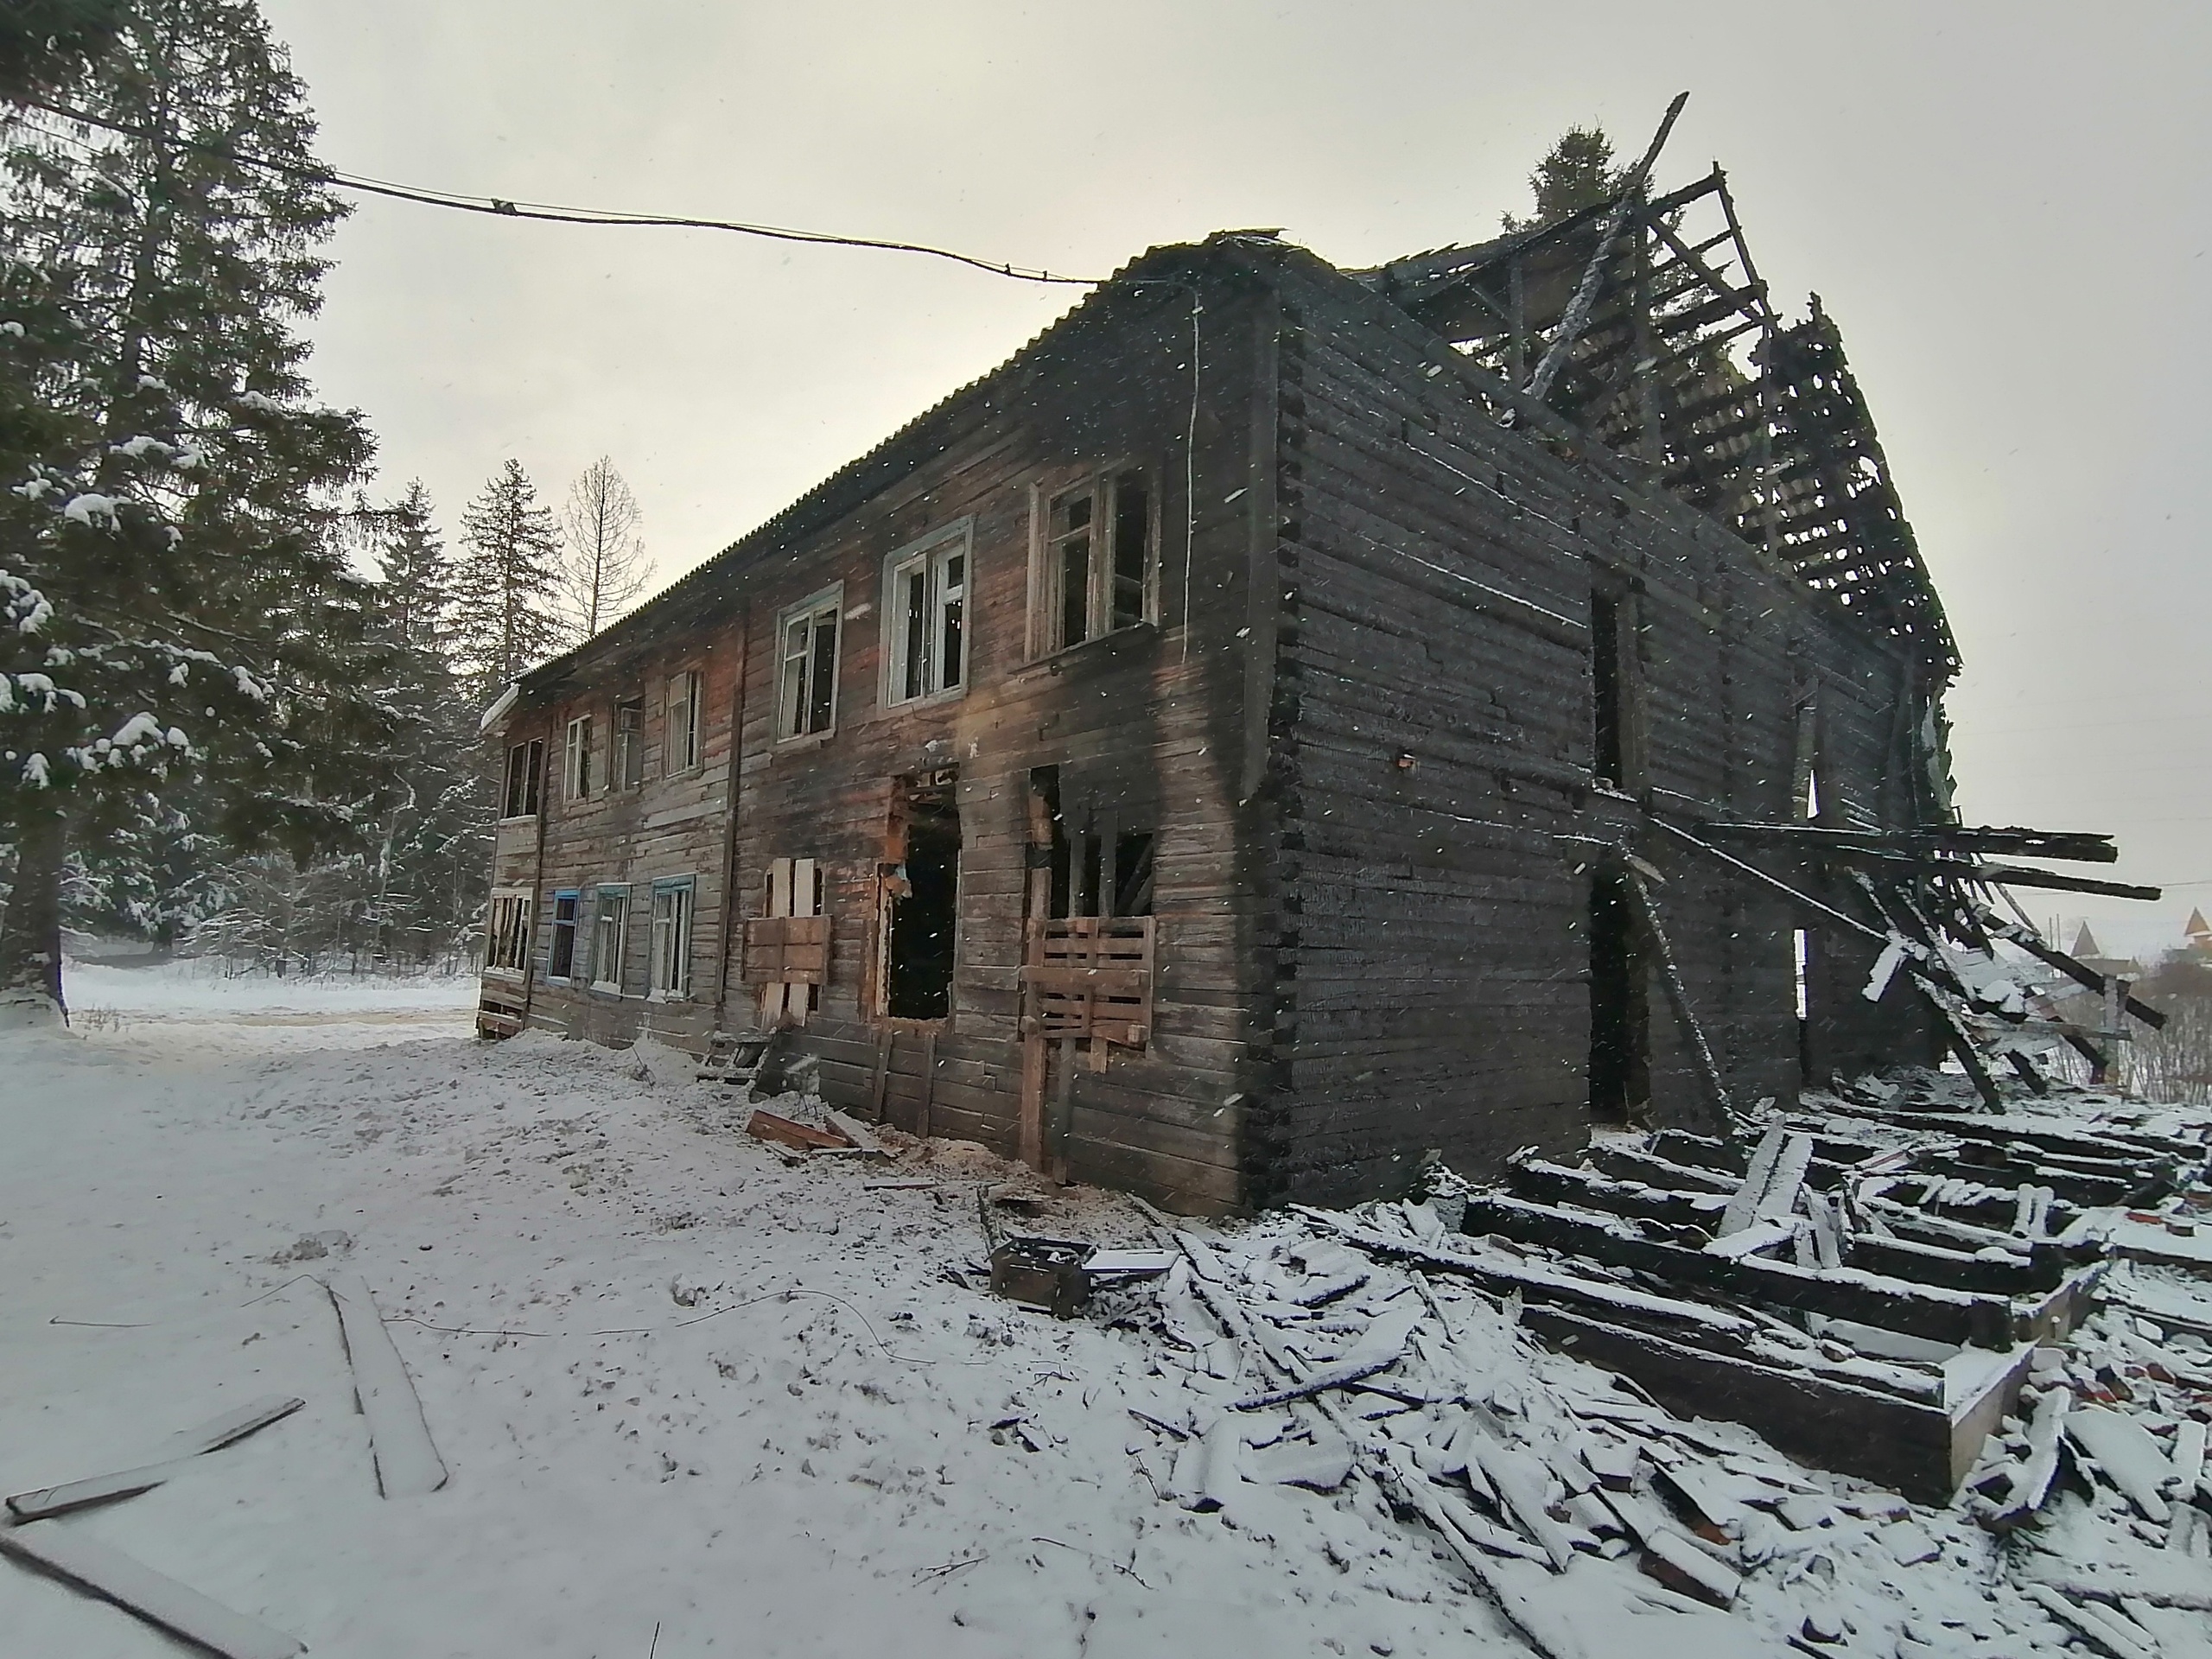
(691, 1398)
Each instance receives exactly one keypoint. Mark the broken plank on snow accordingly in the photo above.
(182, 1448)
(407, 1463)
(107, 1572)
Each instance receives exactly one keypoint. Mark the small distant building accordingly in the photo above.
(2090, 954)
(2197, 935)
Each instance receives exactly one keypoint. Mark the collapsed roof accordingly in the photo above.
(1632, 311)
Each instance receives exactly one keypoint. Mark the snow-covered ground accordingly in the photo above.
(697, 1400)
(788, 1449)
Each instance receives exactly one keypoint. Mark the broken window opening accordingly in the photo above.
(506, 942)
(806, 701)
(1801, 964)
(1133, 873)
(561, 958)
(1608, 751)
(682, 723)
(610, 928)
(576, 772)
(922, 900)
(1620, 1025)
(526, 762)
(1099, 548)
(925, 601)
(627, 769)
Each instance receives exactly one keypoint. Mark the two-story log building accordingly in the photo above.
(1260, 733)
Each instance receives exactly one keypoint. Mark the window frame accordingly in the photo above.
(625, 758)
(576, 757)
(932, 554)
(683, 746)
(828, 602)
(1104, 486)
(681, 892)
(601, 959)
(572, 897)
(532, 782)
(516, 938)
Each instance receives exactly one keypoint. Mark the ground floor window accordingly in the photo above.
(506, 944)
(672, 937)
(610, 937)
(561, 958)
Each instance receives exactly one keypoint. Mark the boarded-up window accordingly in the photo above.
(1090, 977)
(787, 947)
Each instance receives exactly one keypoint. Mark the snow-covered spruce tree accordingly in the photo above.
(603, 567)
(176, 615)
(430, 865)
(508, 586)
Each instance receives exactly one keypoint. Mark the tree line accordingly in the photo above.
(238, 700)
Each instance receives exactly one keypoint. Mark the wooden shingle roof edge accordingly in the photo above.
(709, 591)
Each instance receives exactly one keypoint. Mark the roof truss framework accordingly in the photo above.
(1683, 363)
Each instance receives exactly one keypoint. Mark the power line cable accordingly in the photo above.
(551, 213)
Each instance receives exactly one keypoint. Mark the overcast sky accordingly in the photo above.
(2005, 207)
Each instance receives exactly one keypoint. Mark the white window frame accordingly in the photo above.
(533, 782)
(1046, 564)
(668, 973)
(576, 760)
(794, 715)
(603, 960)
(914, 659)
(625, 758)
(510, 931)
(681, 742)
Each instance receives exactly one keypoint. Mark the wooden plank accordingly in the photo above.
(101, 1570)
(183, 1448)
(407, 1463)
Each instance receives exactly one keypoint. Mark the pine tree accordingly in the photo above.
(508, 583)
(415, 574)
(604, 566)
(1577, 172)
(176, 615)
(48, 44)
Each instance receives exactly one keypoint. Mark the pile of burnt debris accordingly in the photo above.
(1997, 1316)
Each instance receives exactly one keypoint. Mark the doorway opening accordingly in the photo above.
(922, 896)
(1620, 1012)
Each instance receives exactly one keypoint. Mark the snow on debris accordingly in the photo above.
(767, 1403)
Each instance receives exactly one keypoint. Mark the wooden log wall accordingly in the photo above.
(1144, 724)
(1433, 749)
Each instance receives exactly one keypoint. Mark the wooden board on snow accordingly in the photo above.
(107, 1572)
(183, 1448)
(407, 1464)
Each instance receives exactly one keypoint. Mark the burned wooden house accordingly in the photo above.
(1284, 720)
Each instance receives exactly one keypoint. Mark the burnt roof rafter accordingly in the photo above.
(1632, 314)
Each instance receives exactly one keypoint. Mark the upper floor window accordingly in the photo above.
(525, 765)
(576, 760)
(926, 611)
(1098, 548)
(683, 722)
(627, 768)
(806, 695)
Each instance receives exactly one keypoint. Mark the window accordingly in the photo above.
(1098, 559)
(575, 759)
(506, 944)
(627, 768)
(671, 938)
(561, 956)
(924, 605)
(610, 930)
(807, 696)
(682, 723)
(525, 761)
